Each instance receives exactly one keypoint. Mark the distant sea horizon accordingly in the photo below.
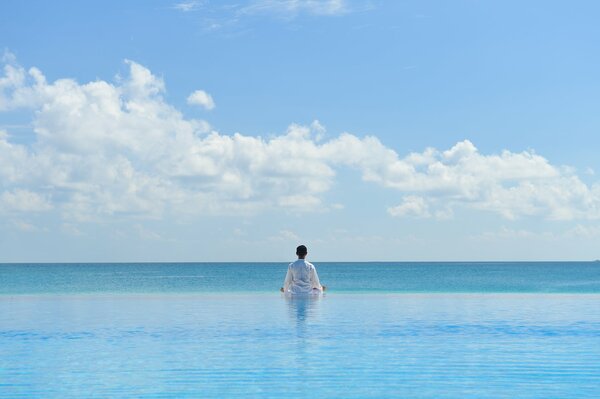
(373, 277)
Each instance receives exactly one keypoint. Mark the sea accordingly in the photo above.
(223, 330)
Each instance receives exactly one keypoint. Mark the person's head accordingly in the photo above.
(301, 251)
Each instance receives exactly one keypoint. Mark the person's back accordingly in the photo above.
(301, 277)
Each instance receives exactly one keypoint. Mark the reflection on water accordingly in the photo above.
(303, 311)
(303, 307)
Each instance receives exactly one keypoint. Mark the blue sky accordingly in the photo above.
(234, 130)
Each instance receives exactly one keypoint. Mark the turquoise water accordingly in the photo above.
(560, 277)
(425, 330)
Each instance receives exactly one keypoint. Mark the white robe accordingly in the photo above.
(302, 278)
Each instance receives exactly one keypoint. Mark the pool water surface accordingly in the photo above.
(342, 345)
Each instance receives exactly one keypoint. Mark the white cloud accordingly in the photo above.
(201, 98)
(290, 8)
(411, 205)
(300, 201)
(19, 200)
(285, 235)
(187, 6)
(146, 234)
(119, 149)
(71, 229)
(234, 17)
(511, 184)
(582, 231)
(27, 227)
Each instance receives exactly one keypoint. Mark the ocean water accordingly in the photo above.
(415, 330)
(372, 277)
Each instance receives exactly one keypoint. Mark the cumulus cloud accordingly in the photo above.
(118, 149)
(411, 205)
(511, 184)
(201, 98)
(20, 200)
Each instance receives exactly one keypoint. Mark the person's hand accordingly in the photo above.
(281, 289)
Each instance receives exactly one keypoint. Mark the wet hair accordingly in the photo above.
(301, 250)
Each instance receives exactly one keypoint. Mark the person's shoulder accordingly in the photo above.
(309, 264)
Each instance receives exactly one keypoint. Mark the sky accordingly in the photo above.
(151, 131)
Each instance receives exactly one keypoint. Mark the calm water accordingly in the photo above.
(452, 330)
(571, 277)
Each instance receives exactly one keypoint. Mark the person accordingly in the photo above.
(301, 277)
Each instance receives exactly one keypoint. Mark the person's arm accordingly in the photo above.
(287, 282)
(314, 279)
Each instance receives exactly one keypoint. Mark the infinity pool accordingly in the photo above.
(269, 346)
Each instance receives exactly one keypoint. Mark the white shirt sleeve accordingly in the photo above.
(288, 280)
(314, 279)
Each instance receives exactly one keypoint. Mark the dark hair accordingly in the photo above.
(301, 250)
